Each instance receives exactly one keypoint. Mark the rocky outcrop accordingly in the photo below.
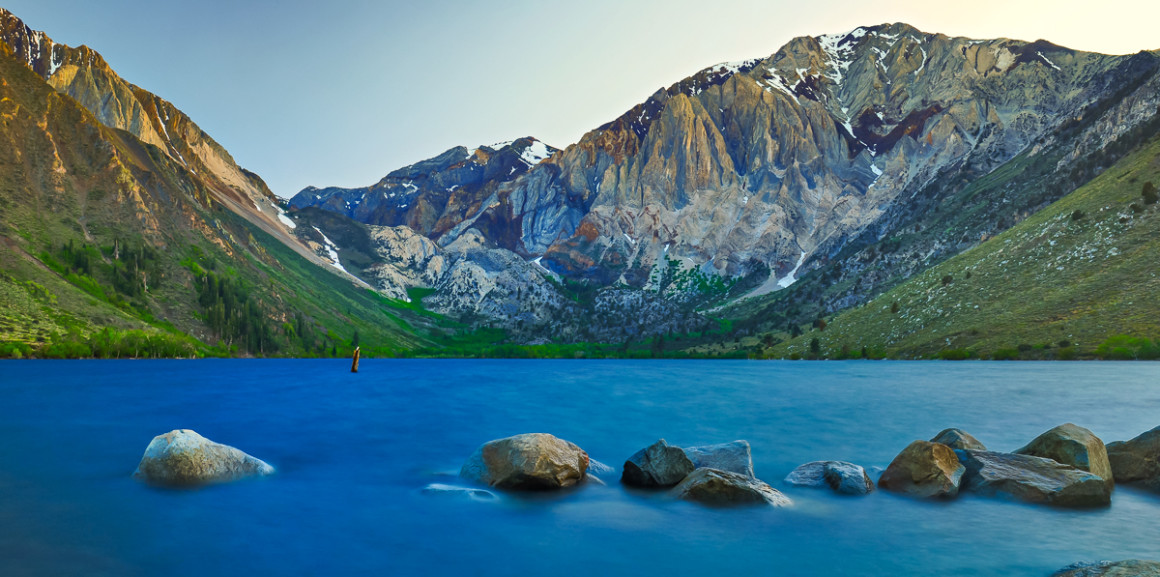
(958, 439)
(1032, 479)
(924, 469)
(734, 457)
(658, 465)
(183, 457)
(723, 488)
(1137, 461)
(1129, 568)
(1074, 446)
(532, 461)
(844, 478)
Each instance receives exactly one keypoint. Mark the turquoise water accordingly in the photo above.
(353, 453)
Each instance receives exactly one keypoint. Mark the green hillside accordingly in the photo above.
(110, 248)
(1058, 285)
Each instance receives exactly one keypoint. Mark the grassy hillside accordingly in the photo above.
(108, 247)
(1058, 285)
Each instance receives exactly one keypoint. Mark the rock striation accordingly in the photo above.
(924, 469)
(1032, 479)
(723, 488)
(532, 461)
(182, 458)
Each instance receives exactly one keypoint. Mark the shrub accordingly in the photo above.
(1005, 355)
(954, 354)
(1136, 208)
(1077, 215)
(894, 308)
(948, 279)
(815, 346)
(1066, 354)
(1149, 193)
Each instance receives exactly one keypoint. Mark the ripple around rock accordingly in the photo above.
(924, 469)
(532, 461)
(723, 488)
(1032, 479)
(1128, 568)
(182, 457)
(842, 477)
(456, 491)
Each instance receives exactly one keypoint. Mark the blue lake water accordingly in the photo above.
(353, 453)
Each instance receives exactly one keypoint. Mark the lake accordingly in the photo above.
(353, 453)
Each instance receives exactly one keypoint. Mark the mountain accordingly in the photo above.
(851, 161)
(1089, 260)
(129, 232)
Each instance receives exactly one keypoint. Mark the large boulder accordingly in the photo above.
(1072, 445)
(735, 457)
(183, 457)
(532, 461)
(924, 469)
(1129, 568)
(722, 488)
(842, 477)
(958, 439)
(1032, 479)
(658, 465)
(1137, 461)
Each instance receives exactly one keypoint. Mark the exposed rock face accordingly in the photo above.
(532, 461)
(722, 488)
(1075, 446)
(442, 195)
(1032, 479)
(1129, 568)
(924, 469)
(734, 457)
(958, 439)
(658, 465)
(842, 477)
(183, 457)
(1137, 461)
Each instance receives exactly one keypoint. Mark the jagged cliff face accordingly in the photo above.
(767, 164)
(85, 76)
(769, 160)
(446, 194)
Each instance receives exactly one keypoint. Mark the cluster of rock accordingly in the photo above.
(713, 474)
(1067, 466)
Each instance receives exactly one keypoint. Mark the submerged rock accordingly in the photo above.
(721, 488)
(532, 461)
(842, 477)
(924, 469)
(597, 468)
(735, 457)
(1137, 461)
(1074, 446)
(456, 491)
(658, 465)
(958, 439)
(183, 457)
(1129, 568)
(1032, 479)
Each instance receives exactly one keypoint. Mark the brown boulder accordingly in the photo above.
(924, 469)
(1032, 479)
(1072, 445)
(532, 461)
(958, 439)
(1137, 461)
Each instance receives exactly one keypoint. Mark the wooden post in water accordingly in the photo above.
(354, 363)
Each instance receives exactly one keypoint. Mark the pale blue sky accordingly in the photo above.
(342, 92)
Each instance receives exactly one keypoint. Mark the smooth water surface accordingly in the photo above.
(353, 453)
